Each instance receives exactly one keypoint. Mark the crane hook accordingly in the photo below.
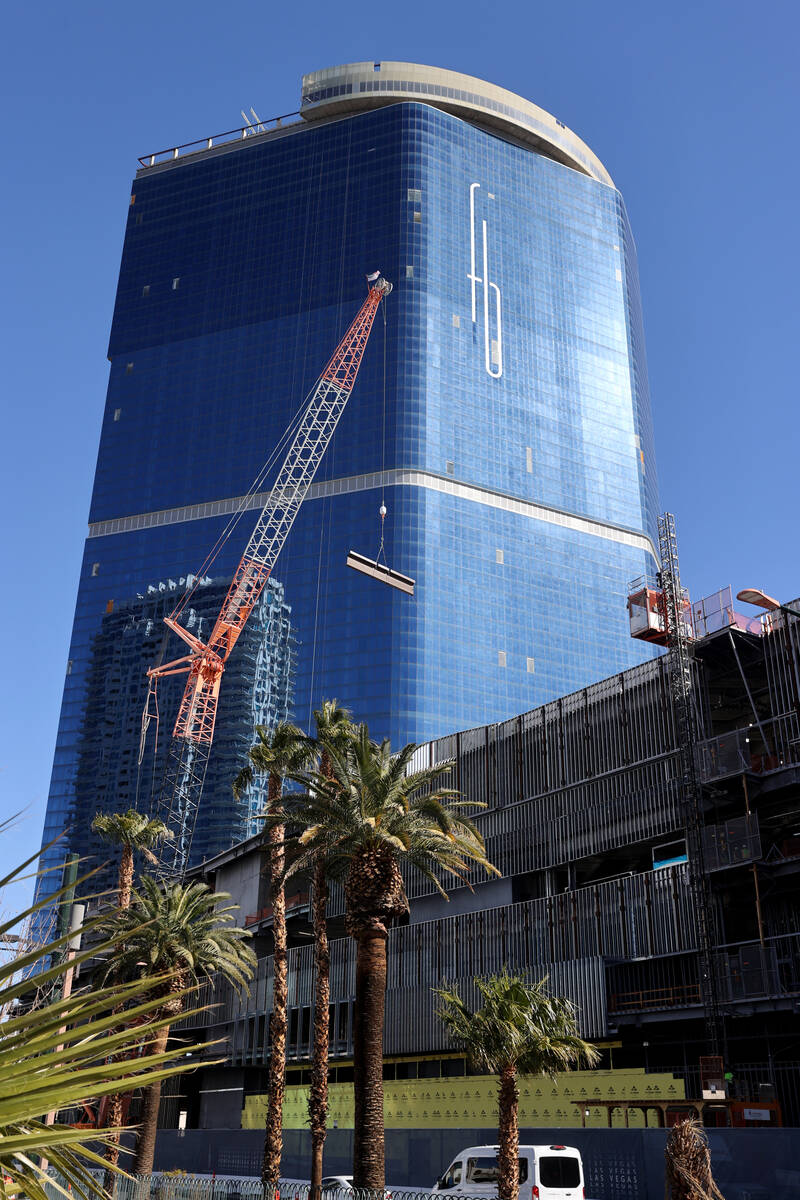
(382, 548)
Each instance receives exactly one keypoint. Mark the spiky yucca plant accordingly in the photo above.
(688, 1163)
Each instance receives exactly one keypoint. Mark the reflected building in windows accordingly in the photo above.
(122, 757)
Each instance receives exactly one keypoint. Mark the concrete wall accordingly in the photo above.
(241, 878)
(619, 1164)
(462, 900)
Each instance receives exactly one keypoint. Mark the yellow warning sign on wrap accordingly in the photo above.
(470, 1102)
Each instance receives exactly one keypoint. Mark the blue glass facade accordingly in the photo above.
(502, 412)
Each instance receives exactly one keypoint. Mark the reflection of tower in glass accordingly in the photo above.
(118, 768)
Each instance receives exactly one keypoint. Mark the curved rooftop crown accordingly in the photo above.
(355, 87)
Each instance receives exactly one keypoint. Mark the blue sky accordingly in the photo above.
(691, 107)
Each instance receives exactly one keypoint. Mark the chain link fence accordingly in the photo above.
(181, 1186)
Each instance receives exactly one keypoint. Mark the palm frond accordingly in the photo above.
(131, 828)
(519, 1025)
(71, 1051)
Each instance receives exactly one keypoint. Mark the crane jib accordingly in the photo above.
(196, 718)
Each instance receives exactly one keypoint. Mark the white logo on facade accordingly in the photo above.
(492, 320)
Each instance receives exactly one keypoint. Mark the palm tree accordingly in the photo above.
(65, 1052)
(334, 732)
(286, 751)
(183, 929)
(364, 820)
(133, 831)
(520, 1028)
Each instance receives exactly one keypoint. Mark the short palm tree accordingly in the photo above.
(365, 819)
(184, 929)
(135, 832)
(285, 751)
(519, 1029)
(66, 1052)
(334, 732)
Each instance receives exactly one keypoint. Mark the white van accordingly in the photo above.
(545, 1173)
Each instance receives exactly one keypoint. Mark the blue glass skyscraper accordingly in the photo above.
(501, 414)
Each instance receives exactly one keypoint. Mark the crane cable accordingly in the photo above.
(149, 714)
(382, 509)
(326, 514)
(260, 478)
(244, 504)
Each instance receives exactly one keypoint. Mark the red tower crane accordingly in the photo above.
(205, 663)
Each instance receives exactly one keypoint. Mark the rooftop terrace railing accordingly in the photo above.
(217, 139)
(737, 751)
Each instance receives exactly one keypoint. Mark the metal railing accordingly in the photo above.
(679, 996)
(716, 612)
(753, 1082)
(217, 139)
(178, 1185)
(297, 900)
(739, 751)
(729, 843)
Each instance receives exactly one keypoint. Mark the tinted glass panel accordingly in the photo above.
(451, 1177)
(487, 1170)
(559, 1172)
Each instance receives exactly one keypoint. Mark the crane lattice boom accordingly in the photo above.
(205, 663)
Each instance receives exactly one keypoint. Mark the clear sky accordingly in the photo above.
(692, 107)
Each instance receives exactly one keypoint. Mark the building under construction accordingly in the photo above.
(586, 819)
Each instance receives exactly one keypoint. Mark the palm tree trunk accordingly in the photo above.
(115, 1102)
(368, 1149)
(125, 876)
(113, 1120)
(148, 1123)
(273, 1134)
(508, 1135)
(318, 1093)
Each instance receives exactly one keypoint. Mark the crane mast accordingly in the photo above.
(193, 733)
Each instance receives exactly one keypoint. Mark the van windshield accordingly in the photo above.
(559, 1172)
(487, 1170)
